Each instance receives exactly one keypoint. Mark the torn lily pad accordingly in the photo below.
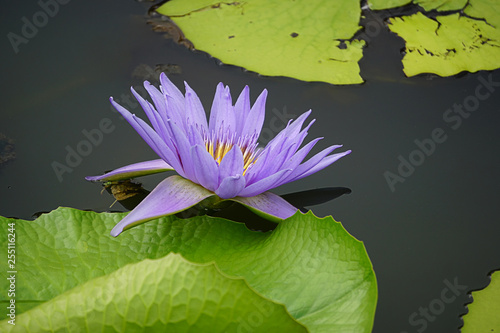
(439, 5)
(448, 45)
(387, 4)
(485, 9)
(306, 40)
(483, 311)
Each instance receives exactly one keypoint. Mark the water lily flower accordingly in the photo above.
(219, 158)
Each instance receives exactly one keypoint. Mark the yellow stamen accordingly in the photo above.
(220, 149)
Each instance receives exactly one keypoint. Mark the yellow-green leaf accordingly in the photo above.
(484, 311)
(439, 5)
(487, 9)
(299, 39)
(448, 45)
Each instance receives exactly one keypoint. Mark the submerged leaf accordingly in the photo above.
(301, 39)
(313, 266)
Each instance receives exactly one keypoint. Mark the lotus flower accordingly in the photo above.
(219, 158)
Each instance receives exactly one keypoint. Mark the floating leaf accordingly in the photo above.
(386, 4)
(483, 315)
(485, 9)
(448, 46)
(439, 5)
(312, 266)
(307, 40)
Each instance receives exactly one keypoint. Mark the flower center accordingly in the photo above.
(219, 148)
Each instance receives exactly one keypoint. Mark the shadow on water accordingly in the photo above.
(129, 194)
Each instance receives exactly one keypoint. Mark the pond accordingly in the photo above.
(423, 169)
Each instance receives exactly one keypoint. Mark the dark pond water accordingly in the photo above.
(438, 228)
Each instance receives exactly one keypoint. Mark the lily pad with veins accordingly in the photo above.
(69, 270)
(307, 40)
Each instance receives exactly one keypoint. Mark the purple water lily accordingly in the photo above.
(219, 158)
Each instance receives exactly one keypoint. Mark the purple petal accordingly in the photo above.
(288, 138)
(183, 149)
(241, 109)
(222, 113)
(174, 101)
(322, 164)
(310, 163)
(268, 205)
(295, 127)
(264, 184)
(231, 164)
(133, 170)
(128, 116)
(255, 169)
(300, 137)
(255, 118)
(157, 97)
(205, 168)
(231, 186)
(299, 156)
(195, 136)
(159, 145)
(289, 134)
(169, 88)
(172, 195)
(157, 118)
(147, 107)
(195, 113)
(277, 162)
(148, 135)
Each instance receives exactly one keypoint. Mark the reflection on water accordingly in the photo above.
(7, 152)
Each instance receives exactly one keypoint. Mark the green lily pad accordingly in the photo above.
(439, 5)
(320, 273)
(485, 9)
(483, 311)
(300, 39)
(386, 4)
(163, 295)
(448, 46)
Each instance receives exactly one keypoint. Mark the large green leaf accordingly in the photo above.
(300, 39)
(162, 295)
(313, 266)
(448, 45)
(483, 315)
